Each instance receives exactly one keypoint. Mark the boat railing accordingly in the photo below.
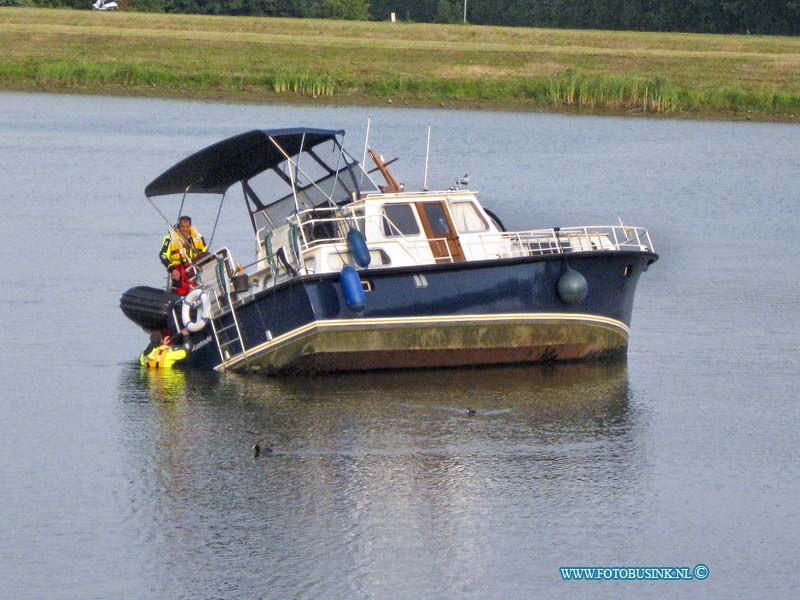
(322, 226)
(565, 240)
(287, 254)
(215, 273)
(420, 249)
(311, 228)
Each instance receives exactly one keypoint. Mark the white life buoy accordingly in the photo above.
(198, 299)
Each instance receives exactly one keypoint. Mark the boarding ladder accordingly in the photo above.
(225, 323)
(228, 335)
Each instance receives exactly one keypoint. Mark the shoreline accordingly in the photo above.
(333, 63)
(300, 100)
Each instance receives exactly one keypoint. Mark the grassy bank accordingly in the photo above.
(261, 60)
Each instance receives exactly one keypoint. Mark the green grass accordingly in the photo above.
(261, 59)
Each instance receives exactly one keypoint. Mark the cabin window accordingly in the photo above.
(437, 219)
(466, 218)
(399, 219)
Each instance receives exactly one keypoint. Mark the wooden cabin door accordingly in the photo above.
(440, 231)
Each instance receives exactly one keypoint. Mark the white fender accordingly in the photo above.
(203, 315)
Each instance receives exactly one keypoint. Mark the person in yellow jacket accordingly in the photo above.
(179, 249)
(160, 354)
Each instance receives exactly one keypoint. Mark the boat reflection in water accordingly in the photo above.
(534, 394)
(505, 410)
(319, 410)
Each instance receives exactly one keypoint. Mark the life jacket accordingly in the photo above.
(162, 357)
(180, 250)
(185, 284)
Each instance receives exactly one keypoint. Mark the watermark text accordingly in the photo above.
(699, 572)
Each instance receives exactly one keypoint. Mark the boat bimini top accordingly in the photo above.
(266, 161)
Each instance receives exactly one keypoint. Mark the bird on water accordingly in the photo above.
(257, 450)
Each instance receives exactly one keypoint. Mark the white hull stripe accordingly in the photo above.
(405, 321)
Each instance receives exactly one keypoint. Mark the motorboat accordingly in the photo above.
(353, 272)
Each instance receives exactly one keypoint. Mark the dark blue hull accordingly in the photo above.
(488, 312)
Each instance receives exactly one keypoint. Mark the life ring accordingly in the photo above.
(203, 315)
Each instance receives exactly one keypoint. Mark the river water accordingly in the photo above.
(119, 483)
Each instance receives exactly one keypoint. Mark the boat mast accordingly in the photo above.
(427, 150)
(391, 182)
(364, 159)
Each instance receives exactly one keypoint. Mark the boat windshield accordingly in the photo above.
(322, 178)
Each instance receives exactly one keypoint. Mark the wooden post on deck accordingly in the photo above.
(391, 182)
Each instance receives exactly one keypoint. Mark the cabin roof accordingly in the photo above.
(214, 169)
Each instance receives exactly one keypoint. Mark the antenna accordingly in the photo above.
(364, 159)
(427, 151)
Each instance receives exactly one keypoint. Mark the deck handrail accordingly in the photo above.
(533, 242)
(406, 245)
(565, 240)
